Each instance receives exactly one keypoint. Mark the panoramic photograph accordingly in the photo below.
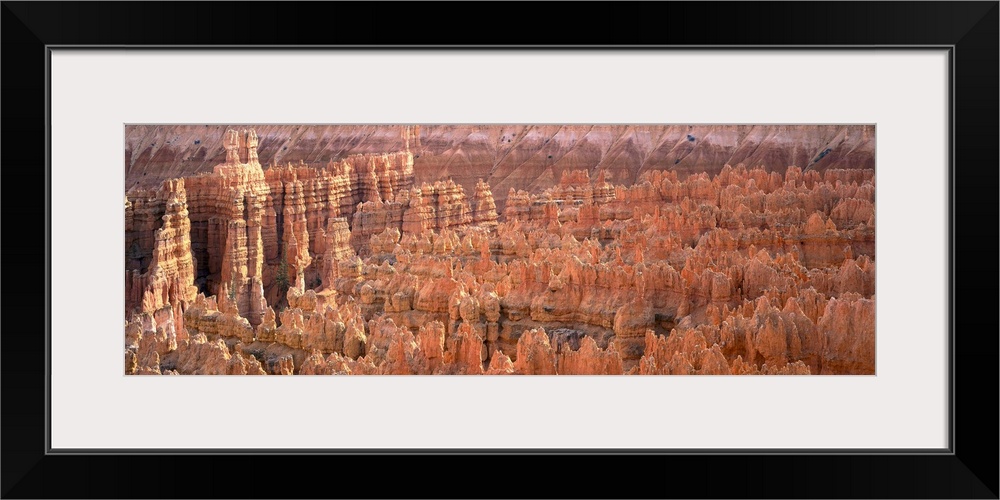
(495, 249)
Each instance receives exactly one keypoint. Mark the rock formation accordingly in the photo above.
(366, 264)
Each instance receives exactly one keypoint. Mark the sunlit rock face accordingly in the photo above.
(385, 250)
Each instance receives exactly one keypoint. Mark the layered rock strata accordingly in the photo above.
(523, 157)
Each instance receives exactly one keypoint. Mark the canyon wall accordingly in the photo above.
(523, 157)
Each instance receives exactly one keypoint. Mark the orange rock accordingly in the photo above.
(352, 266)
(535, 355)
(589, 359)
(848, 330)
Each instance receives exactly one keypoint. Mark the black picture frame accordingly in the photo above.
(969, 469)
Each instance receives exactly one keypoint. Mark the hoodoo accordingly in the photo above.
(383, 250)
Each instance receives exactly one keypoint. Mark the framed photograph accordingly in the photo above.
(659, 235)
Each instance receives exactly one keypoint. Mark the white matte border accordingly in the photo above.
(95, 92)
